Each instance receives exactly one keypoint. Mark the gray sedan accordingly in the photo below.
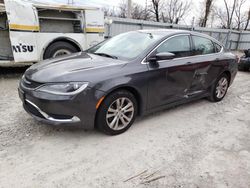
(131, 74)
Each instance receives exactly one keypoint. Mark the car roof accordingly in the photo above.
(169, 32)
(164, 32)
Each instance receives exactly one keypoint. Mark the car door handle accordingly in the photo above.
(188, 63)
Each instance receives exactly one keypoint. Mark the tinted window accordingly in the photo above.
(179, 45)
(202, 45)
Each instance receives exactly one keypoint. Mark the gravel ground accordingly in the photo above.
(200, 144)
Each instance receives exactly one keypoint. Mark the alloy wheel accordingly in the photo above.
(120, 113)
(221, 88)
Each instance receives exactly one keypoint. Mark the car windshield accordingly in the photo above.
(125, 46)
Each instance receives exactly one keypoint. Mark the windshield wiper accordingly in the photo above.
(106, 55)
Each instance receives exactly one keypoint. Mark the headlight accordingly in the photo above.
(71, 88)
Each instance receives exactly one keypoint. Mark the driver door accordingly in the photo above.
(170, 80)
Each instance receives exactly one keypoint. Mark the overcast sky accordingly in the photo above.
(196, 5)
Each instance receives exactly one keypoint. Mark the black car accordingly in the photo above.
(244, 64)
(131, 74)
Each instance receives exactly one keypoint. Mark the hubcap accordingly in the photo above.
(120, 113)
(221, 88)
(61, 52)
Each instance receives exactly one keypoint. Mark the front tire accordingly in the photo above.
(219, 89)
(117, 112)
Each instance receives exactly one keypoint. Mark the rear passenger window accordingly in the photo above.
(178, 45)
(202, 46)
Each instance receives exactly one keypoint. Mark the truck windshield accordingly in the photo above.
(125, 46)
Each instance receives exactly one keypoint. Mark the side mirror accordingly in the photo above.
(164, 56)
(161, 56)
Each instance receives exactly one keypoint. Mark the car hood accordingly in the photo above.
(76, 67)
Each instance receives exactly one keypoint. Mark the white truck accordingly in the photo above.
(30, 32)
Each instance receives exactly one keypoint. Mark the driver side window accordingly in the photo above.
(178, 45)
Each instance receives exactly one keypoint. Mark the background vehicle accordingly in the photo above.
(30, 32)
(244, 64)
(132, 73)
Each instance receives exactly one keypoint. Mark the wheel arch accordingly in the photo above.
(228, 73)
(130, 89)
(61, 39)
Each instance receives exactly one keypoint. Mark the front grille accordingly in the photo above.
(30, 84)
(31, 109)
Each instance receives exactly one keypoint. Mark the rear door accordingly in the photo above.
(205, 57)
(170, 80)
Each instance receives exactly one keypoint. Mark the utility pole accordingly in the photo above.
(192, 26)
(146, 9)
(129, 8)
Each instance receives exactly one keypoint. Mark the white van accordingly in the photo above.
(30, 32)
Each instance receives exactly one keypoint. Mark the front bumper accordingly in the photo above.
(56, 110)
(46, 118)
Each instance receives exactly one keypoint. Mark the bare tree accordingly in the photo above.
(208, 7)
(147, 14)
(239, 17)
(233, 16)
(156, 9)
(248, 19)
(108, 11)
(137, 11)
(225, 15)
(175, 10)
(123, 9)
(230, 12)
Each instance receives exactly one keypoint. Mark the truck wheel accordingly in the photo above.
(58, 49)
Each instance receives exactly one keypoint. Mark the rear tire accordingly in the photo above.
(59, 48)
(219, 89)
(117, 112)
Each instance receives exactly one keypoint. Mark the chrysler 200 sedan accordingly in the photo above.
(131, 74)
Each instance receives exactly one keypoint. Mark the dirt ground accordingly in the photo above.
(200, 144)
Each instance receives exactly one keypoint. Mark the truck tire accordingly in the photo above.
(59, 48)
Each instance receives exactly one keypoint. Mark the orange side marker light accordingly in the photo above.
(99, 102)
